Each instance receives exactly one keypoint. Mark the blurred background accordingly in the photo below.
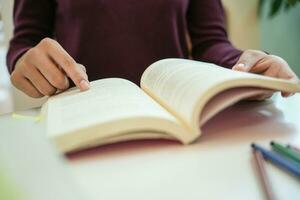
(278, 35)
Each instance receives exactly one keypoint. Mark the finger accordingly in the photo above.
(296, 80)
(77, 75)
(247, 60)
(239, 67)
(261, 66)
(267, 95)
(25, 86)
(51, 72)
(81, 67)
(286, 94)
(39, 81)
(68, 64)
(288, 74)
(261, 97)
(274, 71)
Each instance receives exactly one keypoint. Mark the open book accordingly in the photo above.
(177, 97)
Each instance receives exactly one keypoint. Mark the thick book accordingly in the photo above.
(176, 98)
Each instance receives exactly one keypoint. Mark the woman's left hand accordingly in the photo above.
(258, 62)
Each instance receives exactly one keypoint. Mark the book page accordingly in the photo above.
(184, 86)
(110, 108)
(225, 99)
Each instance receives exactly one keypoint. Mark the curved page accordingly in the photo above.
(225, 99)
(184, 86)
(110, 108)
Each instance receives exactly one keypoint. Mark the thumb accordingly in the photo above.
(240, 67)
(247, 60)
(244, 64)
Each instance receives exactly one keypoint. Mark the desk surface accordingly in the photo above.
(218, 166)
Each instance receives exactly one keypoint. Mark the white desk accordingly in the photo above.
(219, 166)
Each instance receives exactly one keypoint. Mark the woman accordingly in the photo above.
(120, 38)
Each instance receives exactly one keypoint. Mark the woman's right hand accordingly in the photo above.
(44, 69)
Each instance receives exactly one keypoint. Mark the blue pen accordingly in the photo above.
(278, 160)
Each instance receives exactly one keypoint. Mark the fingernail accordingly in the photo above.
(286, 95)
(84, 85)
(239, 67)
(242, 65)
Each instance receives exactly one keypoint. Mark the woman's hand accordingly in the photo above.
(261, 63)
(43, 70)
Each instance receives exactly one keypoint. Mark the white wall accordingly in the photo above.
(7, 7)
(20, 100)
(243, 24)
(6, 103)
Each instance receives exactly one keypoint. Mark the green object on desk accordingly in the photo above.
(8, 190)
(287, 152)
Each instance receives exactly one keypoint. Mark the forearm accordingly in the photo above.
(207, 29)
(15, 51)
(33, 21)
(220, 53)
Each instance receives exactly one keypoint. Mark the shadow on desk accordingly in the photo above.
(247, 121)
(124, 148)
(244, 122)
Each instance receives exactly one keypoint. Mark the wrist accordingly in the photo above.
(13, 60)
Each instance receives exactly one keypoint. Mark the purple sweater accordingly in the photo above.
(120, 38)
